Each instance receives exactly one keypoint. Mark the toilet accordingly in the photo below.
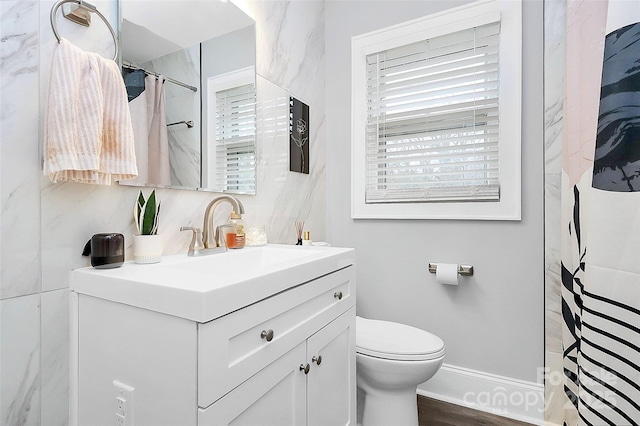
(391, 361)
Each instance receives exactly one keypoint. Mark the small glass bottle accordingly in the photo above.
(235, 237)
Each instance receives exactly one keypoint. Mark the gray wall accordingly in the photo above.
(492, 322)
(229, 52)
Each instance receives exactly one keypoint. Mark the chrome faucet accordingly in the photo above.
(209, 238)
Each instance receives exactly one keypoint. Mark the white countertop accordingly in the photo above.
(207, 287)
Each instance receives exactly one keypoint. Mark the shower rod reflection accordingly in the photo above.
(188, 123)
(132, 66)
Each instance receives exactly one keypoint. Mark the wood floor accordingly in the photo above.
(432, 412)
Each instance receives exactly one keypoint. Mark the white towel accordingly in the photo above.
(88, 134)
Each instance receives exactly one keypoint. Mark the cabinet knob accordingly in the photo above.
(317, 359)
(267, 334)
(338, 295)
(305, 368)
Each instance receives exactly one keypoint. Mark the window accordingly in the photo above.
(436, 116)
(230, 152)
(235, 139)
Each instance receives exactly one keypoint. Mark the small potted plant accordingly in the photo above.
(147, 245)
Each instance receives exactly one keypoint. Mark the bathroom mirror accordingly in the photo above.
(197, 58)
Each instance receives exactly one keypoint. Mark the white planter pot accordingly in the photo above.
(147, 248)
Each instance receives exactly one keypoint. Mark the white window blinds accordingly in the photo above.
(432, 119)
(235, 139)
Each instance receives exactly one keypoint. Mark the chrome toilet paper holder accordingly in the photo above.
(466, 270)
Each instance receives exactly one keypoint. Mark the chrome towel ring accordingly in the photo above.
(90, 8)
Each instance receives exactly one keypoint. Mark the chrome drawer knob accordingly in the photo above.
(317, 359)
(338, 295)
(267, 334)
(305, 368)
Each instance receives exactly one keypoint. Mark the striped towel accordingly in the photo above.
(88, 135)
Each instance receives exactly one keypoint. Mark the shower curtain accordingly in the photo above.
(149, 119)
(601, 213)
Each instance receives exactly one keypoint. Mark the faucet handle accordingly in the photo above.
(196, 240)
(220, 239)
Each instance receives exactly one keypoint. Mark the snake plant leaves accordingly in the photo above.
(146, 214)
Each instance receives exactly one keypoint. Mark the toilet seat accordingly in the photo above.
(393, 341)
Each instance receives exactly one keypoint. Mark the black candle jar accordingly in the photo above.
(106, 250)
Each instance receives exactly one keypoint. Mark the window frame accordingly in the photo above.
(509, 13)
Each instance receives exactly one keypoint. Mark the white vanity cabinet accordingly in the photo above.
(283, 394)
(284, 359)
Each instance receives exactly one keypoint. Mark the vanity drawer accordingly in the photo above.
(233, 348)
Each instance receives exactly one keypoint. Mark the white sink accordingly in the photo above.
(235, 261)
(207, 287)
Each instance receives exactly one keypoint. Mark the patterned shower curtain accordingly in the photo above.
(601, 213)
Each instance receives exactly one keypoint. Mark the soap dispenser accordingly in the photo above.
(235, 236)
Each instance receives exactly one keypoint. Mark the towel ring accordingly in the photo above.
(89, 7)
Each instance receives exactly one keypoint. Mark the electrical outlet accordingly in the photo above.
(120, 420)
(123, 404)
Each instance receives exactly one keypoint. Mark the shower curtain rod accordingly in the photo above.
(132, 66)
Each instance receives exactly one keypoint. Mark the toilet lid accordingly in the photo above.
(389, 340)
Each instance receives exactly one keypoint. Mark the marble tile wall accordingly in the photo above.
(554, 59)
(54, 365)
(20, 181)
(20, 285)
(20, 353)
(44, 226)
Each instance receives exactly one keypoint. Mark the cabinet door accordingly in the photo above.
(274, 396)
(331, 384)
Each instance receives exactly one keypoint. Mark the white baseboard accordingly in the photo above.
(503, 396)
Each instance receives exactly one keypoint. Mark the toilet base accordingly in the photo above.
(398, 408)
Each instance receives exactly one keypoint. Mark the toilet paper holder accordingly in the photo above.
(466, 270)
